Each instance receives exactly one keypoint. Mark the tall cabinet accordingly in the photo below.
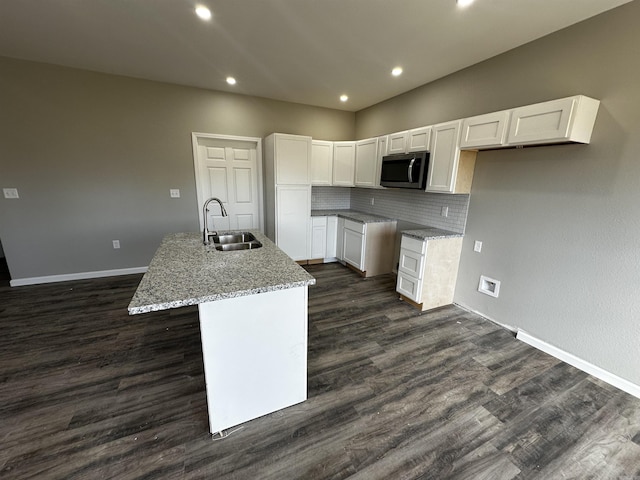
(287, 177)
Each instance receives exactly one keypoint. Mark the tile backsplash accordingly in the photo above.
(408, 205)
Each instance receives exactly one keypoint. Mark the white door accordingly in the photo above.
(228, 168)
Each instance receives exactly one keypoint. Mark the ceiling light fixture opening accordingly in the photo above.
(203, 12)
(464, 3)
(396, 72)
(344, 98)
(231, 80)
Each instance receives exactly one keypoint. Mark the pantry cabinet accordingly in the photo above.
(428, 270)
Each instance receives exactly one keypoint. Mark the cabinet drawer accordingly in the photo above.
(413, 244)
(355, 226)
(411, 263)
(409, 286)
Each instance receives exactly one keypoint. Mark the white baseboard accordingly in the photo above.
(19, 282)
(608, 377)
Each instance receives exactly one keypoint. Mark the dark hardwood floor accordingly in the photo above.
(89, 392)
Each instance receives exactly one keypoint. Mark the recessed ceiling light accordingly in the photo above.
(203, 12)
(231, 80)
(344, 98)
(464, 3)
(397, 71)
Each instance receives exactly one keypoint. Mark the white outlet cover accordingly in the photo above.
(477, 246)
(445, 211)
(116, 244)
(174, 193)
(10, 193)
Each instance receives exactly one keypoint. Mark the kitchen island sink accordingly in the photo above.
(252, 307)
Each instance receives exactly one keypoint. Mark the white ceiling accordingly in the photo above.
(303, 51)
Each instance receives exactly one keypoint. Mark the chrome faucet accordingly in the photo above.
(205, 210)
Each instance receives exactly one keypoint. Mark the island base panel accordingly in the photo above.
(255, 355)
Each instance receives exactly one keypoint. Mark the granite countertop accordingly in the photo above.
(430, 233)
(185, 272)
(352, 215)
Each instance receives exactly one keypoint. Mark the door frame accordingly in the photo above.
(256, 141)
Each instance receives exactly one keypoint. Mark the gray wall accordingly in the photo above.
(561, 224)
(93, 157)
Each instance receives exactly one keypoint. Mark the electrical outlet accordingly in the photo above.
(373, 200)
(10, 192)
(444, 212)
(116, 244)
(477, 246)
(174, 192)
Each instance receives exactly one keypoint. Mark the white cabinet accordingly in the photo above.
(354, 243)
(449, 172)
(292, 154)
(568, 119)
(293, 209)
(321, 162)
(367, 173)
(344, 156)
(332, 237)
(287, 158)
(397, 142)
(428, 270)
(340, 239)
(318, 237)
(368, 247)
(485, 131)
(418, 139)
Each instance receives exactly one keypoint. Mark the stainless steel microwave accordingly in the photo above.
(405, 170)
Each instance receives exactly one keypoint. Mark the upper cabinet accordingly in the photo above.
(397, 142)
(418, 139)
(292, 155)
(485, 131)
(321, 162)
(450, 170)
(344, 157)
(367, 172)
(566, 120)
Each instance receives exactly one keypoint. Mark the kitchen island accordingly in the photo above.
(253, 321)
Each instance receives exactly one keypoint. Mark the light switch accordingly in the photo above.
(10, 192)
(174, 192)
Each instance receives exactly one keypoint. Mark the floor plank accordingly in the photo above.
(87, 391)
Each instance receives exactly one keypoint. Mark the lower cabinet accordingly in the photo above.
(428, 270)
(369, 247)
(318, 237)
(354, 243)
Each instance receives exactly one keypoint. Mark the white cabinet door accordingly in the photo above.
(541, 122)
(485, 131)
(321, 162)
(318, 237)
(332, 237)
(292, 157)
(367, 163)
(445, 153)
(354, 248)
(418, 139)
(344, 157)
(293, 207)
(340, 239)
(397, 142)
(409, 286)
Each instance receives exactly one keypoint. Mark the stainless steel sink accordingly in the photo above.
(234, 241)
(226, 238)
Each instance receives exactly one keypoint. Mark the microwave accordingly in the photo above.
(405, 170)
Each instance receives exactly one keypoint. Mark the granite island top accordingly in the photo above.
(184, 272)
(352, 215)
